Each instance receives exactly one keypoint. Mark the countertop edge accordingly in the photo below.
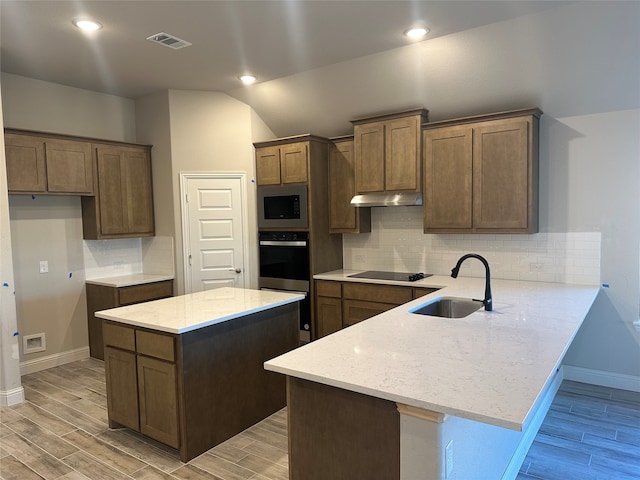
(129, 280)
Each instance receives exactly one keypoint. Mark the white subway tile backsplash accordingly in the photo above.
(397, 242)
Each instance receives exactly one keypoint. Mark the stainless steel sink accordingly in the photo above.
(448, 307)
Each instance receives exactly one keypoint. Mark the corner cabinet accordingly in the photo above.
(481, 174)
(343, 218)
(123, 204)
(388, 152)
(47, 165)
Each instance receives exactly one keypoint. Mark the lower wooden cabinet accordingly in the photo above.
(342, 304)
(102, 297)
(142, 390)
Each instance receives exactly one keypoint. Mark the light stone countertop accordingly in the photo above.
(490, 366)
(128, 280)
(185, 313)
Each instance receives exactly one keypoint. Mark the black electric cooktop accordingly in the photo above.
(397, 276)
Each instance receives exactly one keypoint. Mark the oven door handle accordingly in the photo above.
(269, 243)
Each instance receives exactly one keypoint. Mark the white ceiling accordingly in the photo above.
(301, 51)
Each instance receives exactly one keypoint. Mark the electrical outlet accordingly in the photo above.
(448, 459)
(44, 266)
(536, 267)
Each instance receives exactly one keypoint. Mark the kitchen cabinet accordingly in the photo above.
(481, 174)
(388, 152)
(282, 164)
(123, 205)
(47, 165)
(194, 379)
(342, 304)
(102, 297)
(343, 218)
(141, 380)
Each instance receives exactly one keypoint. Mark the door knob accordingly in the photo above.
(237, 270)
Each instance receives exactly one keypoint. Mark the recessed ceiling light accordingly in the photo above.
(86, 25)
(247, 79)
(416, 33)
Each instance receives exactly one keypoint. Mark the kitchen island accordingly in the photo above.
(409, 396)
(187, 370)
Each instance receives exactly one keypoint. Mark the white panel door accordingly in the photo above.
(214, 226)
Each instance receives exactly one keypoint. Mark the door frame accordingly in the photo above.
(184, 208)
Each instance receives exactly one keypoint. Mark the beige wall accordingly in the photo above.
(50, 228)
(195, 131)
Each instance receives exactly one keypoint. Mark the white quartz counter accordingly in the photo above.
(185, 313)
(490, 367)
(129, 280)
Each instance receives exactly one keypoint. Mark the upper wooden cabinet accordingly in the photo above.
(343, 218)
(481, 174)
(387, 152)
(37, 164)
(123, 205)
(282, 164)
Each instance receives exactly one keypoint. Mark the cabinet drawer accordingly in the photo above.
(119, 336)
(377, 293)
(354, 311)
(328, 289)
(155, 345)
(145, 292)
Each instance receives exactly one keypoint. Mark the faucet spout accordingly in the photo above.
(488, 301)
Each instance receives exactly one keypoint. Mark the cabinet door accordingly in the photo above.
(26, 167)
(329, 315)
(448, 170)
(268, 166)
(122, 387)
(294, 163)
(158, 400)
(369, 157)
(354, 311)
(69, 167)
(111, 200)
(402, 155)
(342, 216)
(501, 175)
(137, 191)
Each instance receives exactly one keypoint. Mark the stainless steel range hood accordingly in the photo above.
(387, 199)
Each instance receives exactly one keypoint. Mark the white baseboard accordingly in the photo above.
(11, 397)
(55, 360)
(604, 379)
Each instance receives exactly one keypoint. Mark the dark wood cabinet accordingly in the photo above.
(481, 174)
(142, 390)
(388, 151)
(47, 165)
(102, 297)
(343, 218)
(282, 164)
(123, 205)
(342, 304)
(194, 390)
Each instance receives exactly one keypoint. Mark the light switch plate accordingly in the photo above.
(44, 266)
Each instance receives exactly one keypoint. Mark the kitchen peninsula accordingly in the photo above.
(187, 370)
(408, 396)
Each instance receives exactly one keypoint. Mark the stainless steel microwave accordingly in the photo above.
(282, 206)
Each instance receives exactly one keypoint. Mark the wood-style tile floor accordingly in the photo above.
(61, 432)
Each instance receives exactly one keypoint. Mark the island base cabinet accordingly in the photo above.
(122, 385)
(158, 401)
(334, 433)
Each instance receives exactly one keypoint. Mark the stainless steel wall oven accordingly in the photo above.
(284, 265)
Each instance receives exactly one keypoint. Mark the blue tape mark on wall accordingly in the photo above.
(605, 285)
(33, 197)
(5, 284)
(15, 334)
(70, 274)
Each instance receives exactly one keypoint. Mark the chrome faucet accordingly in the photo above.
(488, 301)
